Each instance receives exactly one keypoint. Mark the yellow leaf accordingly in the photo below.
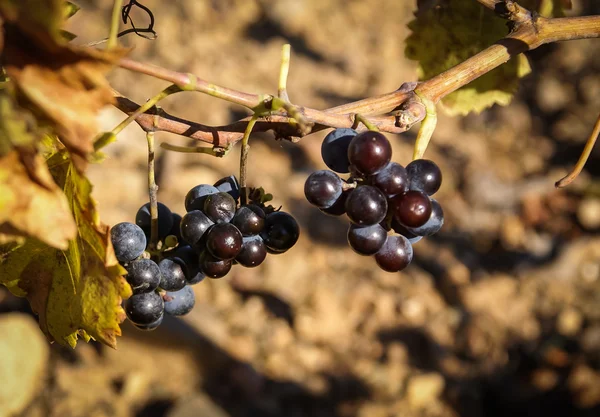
(77, 291)
(445, 36)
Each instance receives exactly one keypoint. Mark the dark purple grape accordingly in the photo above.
(149, 327)
(339, 207)
(220, 207)
(249, 219)
(129, 241)
(194, 199)
(412, 209)
(334, 149)
(435, 222)
(179, 303)
(176, 228)
(224, 241)
(395, 254)
(144, 308)
(323, 188)
(391, 180)
(172, 275)
(369, 152)
(229, 185)
(366, 240)
(424, 175)
(281, 231)
(253, 252)
(366, 205)
(193, 227)
(187, 257)
(143, 275)
(213, 267)
(143, 219)
(405, 231)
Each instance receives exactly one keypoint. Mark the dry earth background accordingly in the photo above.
(498, 315)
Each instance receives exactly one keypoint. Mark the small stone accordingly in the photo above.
(424, 389)
(569, 322)
(23, 358)
(588, 213)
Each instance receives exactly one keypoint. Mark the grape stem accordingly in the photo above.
(283, 72)
(218, 152)
(358, 118)
(244, 160)
(152, 192)
(587, 150)
(114, 24)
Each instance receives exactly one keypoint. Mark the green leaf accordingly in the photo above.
(445, 36)
(77, 291)
(69, 9)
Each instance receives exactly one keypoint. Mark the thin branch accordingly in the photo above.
(508, 9)
(114, 24)
(152, 192)
(283, 72)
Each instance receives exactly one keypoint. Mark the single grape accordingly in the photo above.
(369, 152)
(213, 267)
(281, 231)
(424, 175)
(366, 205)
(165, 220)
(412, 209)
(323, 188)
(253, 252)
(187, 258)
(395, 254)
(144, 308)
(179, 303)
(194, 199)
(172, 275)
(152, 326)
(176, 228)
(334, 149)
(224, 241)
(435, 222)
(339, 207)
(193, 227)
(143, 275)
(405, 231)
(229, 185)
(220, 207)
(391, 180)
(249, 219)
(128, 240)
(366, 240)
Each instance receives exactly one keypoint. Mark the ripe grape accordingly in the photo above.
(405, 231)
(188, 259)
(165, 220)
(143, 275)
(172, 275)
(193, 227)
(366, 205)
(249, 219)
(220, 207)
(339, 207)
(229, 185)
(179, 303)
(194, 199)
(435, 222)
(129, 241)
(253, 252)
(224, 241)
(213, 267)
(391, 180)
(369, 152)
(152, 326)
(176, 228)
(424, 175)
(323, 188)
(144, 308)
(412, 209)
(366, 240)
(395, 254)
(334, 149)
(281, 231)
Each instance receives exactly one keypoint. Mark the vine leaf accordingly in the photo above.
(76, 291)
(445, 36)
(64, 85)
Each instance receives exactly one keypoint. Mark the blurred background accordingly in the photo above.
(498, 315)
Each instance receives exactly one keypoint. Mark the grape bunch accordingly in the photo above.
(389, 206)
(216, 233)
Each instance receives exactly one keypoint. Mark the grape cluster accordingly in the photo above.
(216, 233)
(389, 206)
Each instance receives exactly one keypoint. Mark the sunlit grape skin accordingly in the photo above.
(224, 241)
(129, 241)
(366, 205)
(395, 254)
(391, 180)
(334, 149)
(424, 175)
(433, 224)
(369, 152)
(366, 240)
(323, 188)
(412, 209)
(144, 308)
